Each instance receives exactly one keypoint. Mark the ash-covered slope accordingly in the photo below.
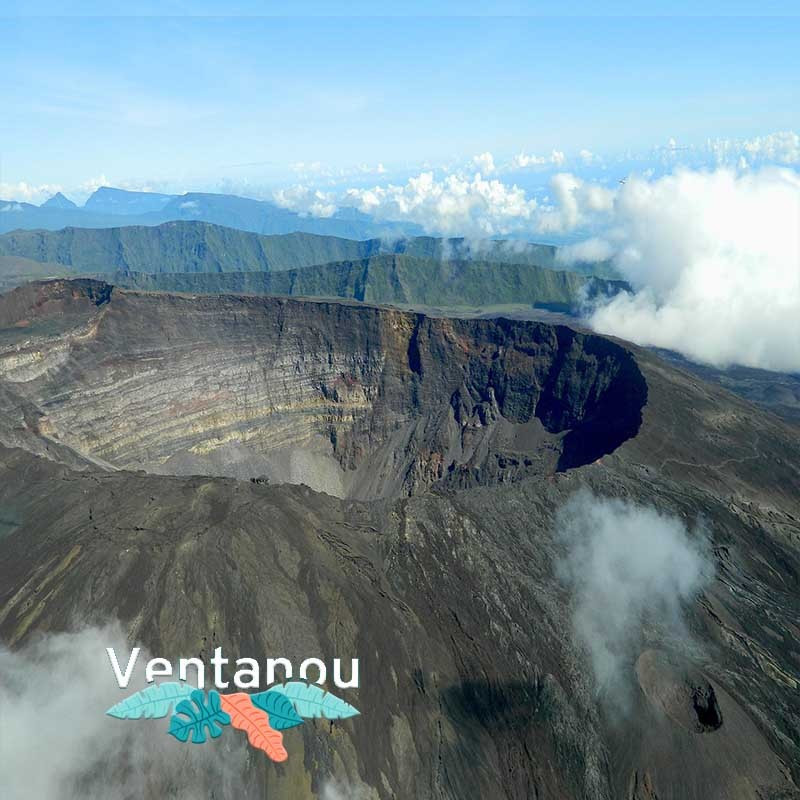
(473, 683)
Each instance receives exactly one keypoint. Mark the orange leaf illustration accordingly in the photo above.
(255, 723)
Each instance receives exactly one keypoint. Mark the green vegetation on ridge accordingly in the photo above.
(202, 247)
(398, 279)
(179, 247)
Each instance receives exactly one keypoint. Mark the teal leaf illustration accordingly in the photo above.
(155, 701)
(195, 719)
(312, 701)
(279, 708)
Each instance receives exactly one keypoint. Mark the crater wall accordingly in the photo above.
(350, 399)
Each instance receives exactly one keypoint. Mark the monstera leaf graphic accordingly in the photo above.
(279, 708)
(312, 701)
(255, 723)
(153, 702)
(196, 719)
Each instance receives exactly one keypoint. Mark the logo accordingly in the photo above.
(195, 715)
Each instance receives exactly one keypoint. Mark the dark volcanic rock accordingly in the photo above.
(471, 685)
(373, 402)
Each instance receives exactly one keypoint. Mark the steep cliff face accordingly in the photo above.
(348, 399)
(40, 306)
(394, 279)
(185, 245)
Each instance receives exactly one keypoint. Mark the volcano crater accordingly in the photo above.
(353, 400)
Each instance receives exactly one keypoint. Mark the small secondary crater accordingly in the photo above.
(678, 689)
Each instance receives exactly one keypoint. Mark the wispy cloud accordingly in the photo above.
(781, 148)
(57, 742)
(306, 200)
(28, 193)
(626, 566)
(524, 161)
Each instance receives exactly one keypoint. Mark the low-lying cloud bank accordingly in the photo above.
(454, 205)
(469, 205)
(626, 565)
(714, 258)
(57, 742)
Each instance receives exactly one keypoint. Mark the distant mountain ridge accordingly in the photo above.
(180, 247)
(108, 200)
(397, 279)
(109, 208)
(190, 246)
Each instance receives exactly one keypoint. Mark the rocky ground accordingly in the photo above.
(453, 445)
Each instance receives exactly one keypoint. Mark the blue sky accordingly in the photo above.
(201, 101)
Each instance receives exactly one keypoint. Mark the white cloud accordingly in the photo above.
(587, 156)
(524, 161)
(459, 205)
(715, 260)
(91, 185)
(627, 565)
(590, 250)
(306, 200)
(344, 790)
(577, 203)
(58, 743)
(782, 147)
(317, 170)
(453, 206)
(485, 163)
(306, 166)
(28, 193)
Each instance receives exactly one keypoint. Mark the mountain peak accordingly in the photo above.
(110, 200)
(58, 200)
